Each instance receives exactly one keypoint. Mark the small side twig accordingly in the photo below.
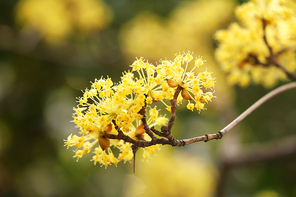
(146, 127)
(157, 132)
(173, 109)
(168, 130)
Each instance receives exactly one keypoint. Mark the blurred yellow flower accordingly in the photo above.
(55, 20)
(189, 27)
(172, 175)
(264, 37)
(267, 193)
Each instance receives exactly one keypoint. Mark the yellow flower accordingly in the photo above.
(190, 106)
(153, 114)
(55, 20)
(150, 81)
(193, 86)
(78, 154)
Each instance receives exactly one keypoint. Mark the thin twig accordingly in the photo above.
(264, 24)
(167, 130)
(144, 121)
(173, 109)
(257, 104)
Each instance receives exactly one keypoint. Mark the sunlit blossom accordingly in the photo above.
(108, 110)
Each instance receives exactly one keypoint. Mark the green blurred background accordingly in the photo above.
(50, 50)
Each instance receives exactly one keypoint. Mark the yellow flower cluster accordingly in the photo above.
(56, 19)
(265, 38)
(109, 108)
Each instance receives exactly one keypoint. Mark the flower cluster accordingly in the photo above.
(262, 47)
(112, 116)
(55, 20)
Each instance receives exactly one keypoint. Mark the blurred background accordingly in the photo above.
(50, 50)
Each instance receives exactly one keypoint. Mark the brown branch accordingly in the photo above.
(120, 135)
(167, 130)
(205, 138)
(264, 24)
(173, 109)
(291, 76)
(144, 143)
(117, 128)
(171, 140)
(253, 59)
(159, 133)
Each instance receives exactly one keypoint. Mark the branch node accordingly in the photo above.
(219, 134)
(182, 143)
(207, 136)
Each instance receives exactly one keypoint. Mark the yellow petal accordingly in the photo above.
(94, 133)
(204, 100)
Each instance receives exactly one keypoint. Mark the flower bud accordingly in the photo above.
(185, 94)
(108, 128)
(104, 143)
(139, 133)
(172, 83)
(140, 130)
